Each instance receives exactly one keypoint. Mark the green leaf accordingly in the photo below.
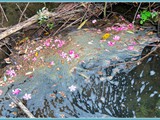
(141, 22)
(148, 14)
(131, 32)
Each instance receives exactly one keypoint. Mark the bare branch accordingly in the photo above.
(23, 12)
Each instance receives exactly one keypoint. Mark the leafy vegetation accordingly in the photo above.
(43, 19)
(148, 16)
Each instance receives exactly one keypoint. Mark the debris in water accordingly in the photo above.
(12, 105)
(16, 91)
(28, 73)
(72, 88)
(27, 96)
(152, 72)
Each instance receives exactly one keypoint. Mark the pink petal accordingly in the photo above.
(16, 91)
(71, 52)
(130, 47)
(34, 59)
(108, 29)
(76, 56)
(138, 16)
(116, 37)
(130, 26)
(52, 63)
(110, 43)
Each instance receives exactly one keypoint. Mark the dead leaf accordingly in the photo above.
(100, 73)
(105, 36)
(82, 24)
(36, 54)
(28, 73)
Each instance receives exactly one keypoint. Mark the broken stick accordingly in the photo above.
(20, 104)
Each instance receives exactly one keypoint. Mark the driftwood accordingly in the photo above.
(20, 104)
(24, 24)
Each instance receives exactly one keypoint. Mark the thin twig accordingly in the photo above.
(62, 26)
(71, 24)
(136, 13)
(23, 12)
(5, 52)
(140, 60)
(3, 12)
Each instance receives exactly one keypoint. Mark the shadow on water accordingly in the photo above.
(101, 90)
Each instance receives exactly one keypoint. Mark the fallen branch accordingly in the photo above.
(33, 20)
(20, 104)
(24, 24)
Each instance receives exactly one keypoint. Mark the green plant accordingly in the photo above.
(50, 25)
(43, 19)
(148, 16)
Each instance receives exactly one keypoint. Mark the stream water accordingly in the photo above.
(105, 84)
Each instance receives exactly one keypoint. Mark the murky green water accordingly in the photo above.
(106, 86)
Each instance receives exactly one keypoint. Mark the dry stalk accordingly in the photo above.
(3, 13)
(23, 12)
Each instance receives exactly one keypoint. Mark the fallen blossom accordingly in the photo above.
(116, 37)
(131, 47)
(94, 21)
(12, 105)
(110, 43)
(131, 26)
(60, 42)
(71, 52)
(34, 59)
(72, 88)
(108, 29)
(1, 92)
(138, 16)
(76, 56)
(27, 96)
(57, 40)
(68, 59)
(47, 42)
(16, 91)
(52, 63)
(63, 54)
(10, 72)
(134, 43)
